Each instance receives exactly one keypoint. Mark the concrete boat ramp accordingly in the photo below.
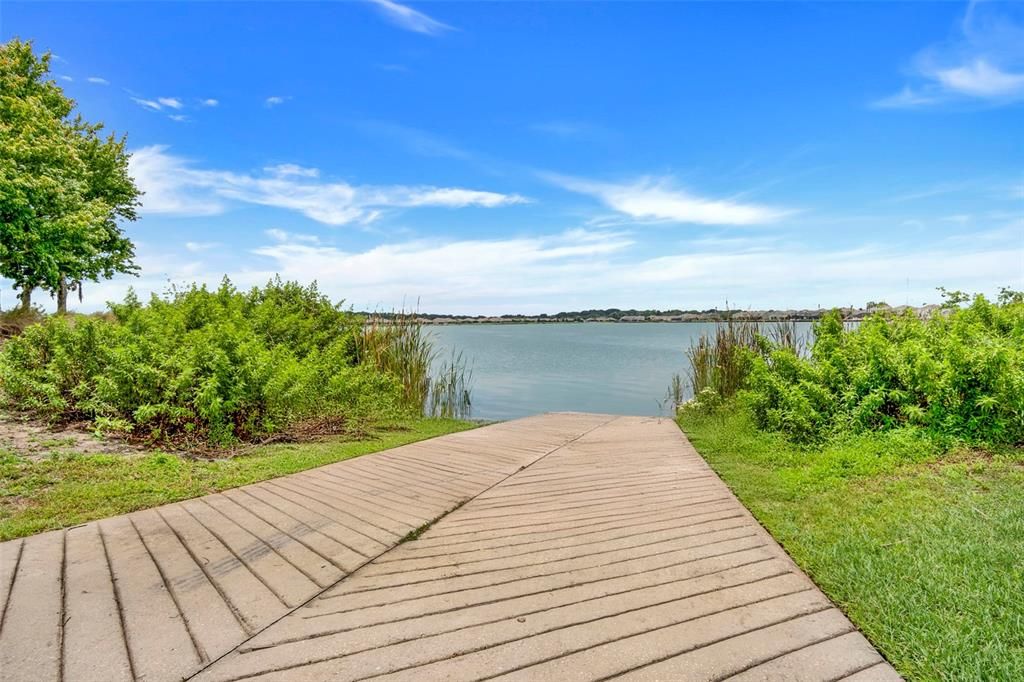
(559, 547)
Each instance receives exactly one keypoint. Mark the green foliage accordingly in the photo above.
(63, 186)
(958, 376)
(199, 365)
(1008, 296)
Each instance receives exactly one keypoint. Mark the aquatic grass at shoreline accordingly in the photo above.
(397, 343)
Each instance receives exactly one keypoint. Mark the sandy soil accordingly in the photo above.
(36, 440)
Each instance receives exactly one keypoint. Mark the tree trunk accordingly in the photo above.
(26, 299)
(62, 296)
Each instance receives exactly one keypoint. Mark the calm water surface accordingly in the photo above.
(615, 368)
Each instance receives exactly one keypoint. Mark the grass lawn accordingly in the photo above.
(924, 552)
(68, 488)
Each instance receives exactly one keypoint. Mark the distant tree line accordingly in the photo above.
(610, 313)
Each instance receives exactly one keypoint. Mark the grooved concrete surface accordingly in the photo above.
(588, 547)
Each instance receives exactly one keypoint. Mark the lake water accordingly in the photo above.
(616, 368)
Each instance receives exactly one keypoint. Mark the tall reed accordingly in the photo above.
(784, 334)
(716, 359)
(450, 389)
(676, 390)
(398, 344)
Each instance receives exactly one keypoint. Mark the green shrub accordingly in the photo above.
(219, 366)
(958, 375)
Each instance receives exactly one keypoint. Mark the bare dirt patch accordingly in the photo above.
(35, 440)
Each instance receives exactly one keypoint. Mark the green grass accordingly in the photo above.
(923, 550)
(68, 488)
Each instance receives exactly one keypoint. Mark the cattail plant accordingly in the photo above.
(716, 359)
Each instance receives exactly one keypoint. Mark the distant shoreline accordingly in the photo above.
(667, 317)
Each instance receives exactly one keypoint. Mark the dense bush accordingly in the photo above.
(957, 375)
(218, 366)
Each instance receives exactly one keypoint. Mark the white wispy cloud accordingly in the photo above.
(159, 104)
(582, 268)
(469, 269)
(983, 62)
(286, 169)
(452, 197)
(981, 79)
(148, 103)
(170, 102)
(406, 17)
(806, 277)
(283, 236)
(97, 80)
(173, 185)
(275, 100)
(907, 98)
(198, 247)
(593, 268)
(69, 79)
(659, 199)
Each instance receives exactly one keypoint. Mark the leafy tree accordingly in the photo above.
(953, 298)
(63, 187)
(1008, 296)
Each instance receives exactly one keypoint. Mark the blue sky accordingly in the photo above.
(498, 157)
